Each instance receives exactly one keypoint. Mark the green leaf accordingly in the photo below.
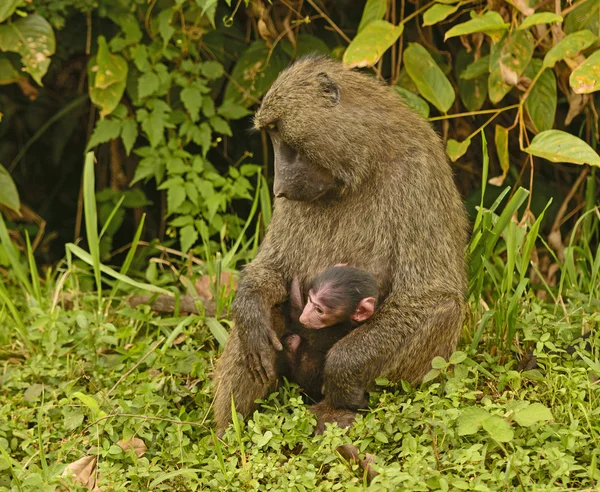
(501, 140)
(7, 8)
(33, 38)
(381, 437)
(107, 78)
(371, 43)
(104, 131)
(191, 97)
(586, 77)
(175, 197)
(208, 106)
(437, 13)
(585, 16)
(536, 412)
(415, 102)
(456, 149)
(148, 84)
(188, 236)
(490, 23)
(471, 419)
(509, 59)
(154, 125)
(542, 100)
(476, 68)
(439, 363)
(164, 25)
(428, 76)
(540, 18)
(473, 90)
(457, 357)
(559, 146)
(233, 111)
(569, 46)
(9, 196)
(374, 10)
(220, 125)
(129, 133)
(89, 402)
(212, 70)
(498, 428)
(264, 439)
(252, 75)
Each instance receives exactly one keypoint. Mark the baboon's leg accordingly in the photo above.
(233, 378)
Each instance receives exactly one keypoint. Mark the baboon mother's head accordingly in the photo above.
(324, 122)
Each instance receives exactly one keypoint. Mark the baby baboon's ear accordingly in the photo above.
(329, 87)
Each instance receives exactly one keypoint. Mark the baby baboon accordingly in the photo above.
(339, 300)
(359, 179)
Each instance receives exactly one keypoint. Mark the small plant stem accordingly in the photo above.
(473, 113)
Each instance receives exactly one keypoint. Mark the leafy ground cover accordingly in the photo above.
(100, 395)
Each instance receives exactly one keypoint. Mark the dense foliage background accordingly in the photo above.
(176, 197)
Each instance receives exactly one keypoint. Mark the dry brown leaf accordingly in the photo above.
(509, 75)
(555, 242)
(135, 443)
(83, 471)
(203, 284)
(576, 104)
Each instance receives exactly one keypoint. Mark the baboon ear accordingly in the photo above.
(329, 87)
(364, 310)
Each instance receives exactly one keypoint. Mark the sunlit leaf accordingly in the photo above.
(509, 59)
(490, 23)
(569, 46)
(371, 43)
(437, 13)
(107, 78)
(540, 18)
(586, 77)
(418, 104)
(7, 7)
(542, 100)
(531, 414)
(498, 428)
(471, 419)
(374, 10)
(33, 38)
(428, 76)
(104, 131)
(456, 149)
(9, 196)
(559, 146)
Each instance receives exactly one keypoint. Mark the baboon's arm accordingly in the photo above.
(261, 287)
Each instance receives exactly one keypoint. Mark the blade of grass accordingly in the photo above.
(532, 236)
(484, 178)
(33, 271)
(130, 254)
(111, 215)
(5, 297)
(91, 220)
(13, 257)
(87, 258)
(238, 431)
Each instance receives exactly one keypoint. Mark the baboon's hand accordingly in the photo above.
(259, 355)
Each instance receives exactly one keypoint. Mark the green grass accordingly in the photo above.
(81, 372)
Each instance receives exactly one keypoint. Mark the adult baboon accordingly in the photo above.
(359, 179)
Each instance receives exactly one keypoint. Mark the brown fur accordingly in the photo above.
(398, 215)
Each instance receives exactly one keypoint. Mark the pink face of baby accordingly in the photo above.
(324, 308)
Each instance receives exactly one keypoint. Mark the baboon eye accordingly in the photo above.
(271, 126)
(319, 310)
